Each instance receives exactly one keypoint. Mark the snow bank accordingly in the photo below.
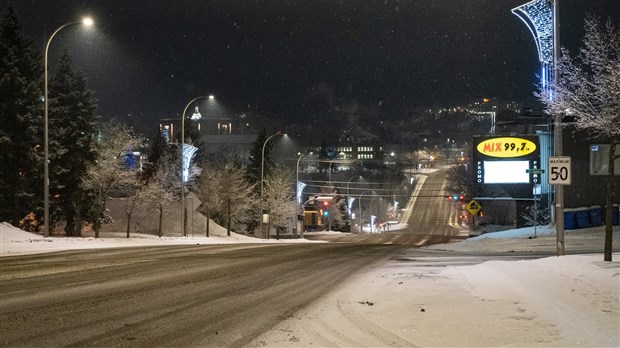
(14, 241)
(569, 301)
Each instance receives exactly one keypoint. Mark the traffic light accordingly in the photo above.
(325, 213)
(456, 198)
(326, 204)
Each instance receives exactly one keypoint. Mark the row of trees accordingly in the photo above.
(72, 119)
(88, 159)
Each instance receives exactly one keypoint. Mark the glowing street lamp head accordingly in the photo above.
(211, 97)
(88, 21)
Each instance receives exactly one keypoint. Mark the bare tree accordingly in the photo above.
(109, 172)
(135, 199)
(588, 89)
(209, 191)
(225, 195)
(280, 198)
(162, 187)
(237, 197)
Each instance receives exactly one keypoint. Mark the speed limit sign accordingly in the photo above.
(559, 170)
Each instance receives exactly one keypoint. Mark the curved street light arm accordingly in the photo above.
(46, 181)
(183, 227)
(262, 173)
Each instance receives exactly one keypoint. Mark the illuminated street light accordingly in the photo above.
(262, 173)
(88, 22)
(542, 19)
(183, 212)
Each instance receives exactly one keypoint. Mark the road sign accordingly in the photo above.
(473, 207)
(559, 170)
(535, 171)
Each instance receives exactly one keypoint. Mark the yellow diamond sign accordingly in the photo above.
(473, 207)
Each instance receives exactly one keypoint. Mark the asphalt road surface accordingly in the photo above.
(430, 218)
(180, 296)
(190, 296)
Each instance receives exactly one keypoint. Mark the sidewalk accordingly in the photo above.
(444, 301)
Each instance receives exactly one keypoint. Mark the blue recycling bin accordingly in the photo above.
(596, 215)
(615, 215)
(582, 217)
(569, 219)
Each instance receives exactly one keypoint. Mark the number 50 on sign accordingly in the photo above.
(559, 170)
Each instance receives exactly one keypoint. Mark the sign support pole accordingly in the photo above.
(557, 135)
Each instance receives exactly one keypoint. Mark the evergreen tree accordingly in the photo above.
(253, 170)
(192, 136)
(341, 220)
(21, 124)
(72, 122)
(156, 150)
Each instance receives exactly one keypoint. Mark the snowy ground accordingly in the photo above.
(436, 301)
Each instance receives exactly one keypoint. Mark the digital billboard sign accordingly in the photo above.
(512, 162)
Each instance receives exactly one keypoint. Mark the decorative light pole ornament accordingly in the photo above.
(542, 19)
(538, 16)
(188, 153)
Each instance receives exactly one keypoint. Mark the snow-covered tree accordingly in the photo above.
(72, 120)
(209, 191)
(21, 126)
(588, 89)
(279, 198)
(163, 187)
(340, 218)
(536, 214)
(109, 172)
(225, 195)
(238, 197)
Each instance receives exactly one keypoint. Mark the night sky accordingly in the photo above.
(150, 58)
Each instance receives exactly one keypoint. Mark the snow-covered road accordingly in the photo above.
(570, 301)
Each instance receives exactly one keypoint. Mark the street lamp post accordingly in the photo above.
(359, 210)
(330, 175)
(87, 21)
(543, 20)
(370, 211)
(262, 173)
(298, 197)
(183, 213)
(348, 182)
